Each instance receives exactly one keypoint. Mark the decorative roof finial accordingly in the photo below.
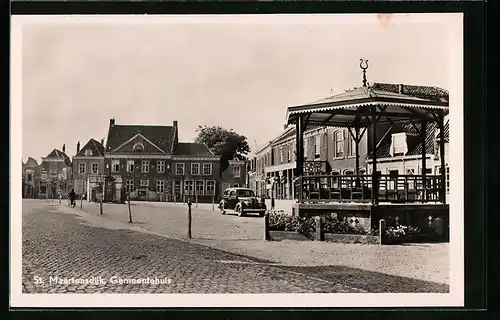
(364, 69)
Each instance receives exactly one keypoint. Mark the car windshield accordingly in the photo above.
(245, 193)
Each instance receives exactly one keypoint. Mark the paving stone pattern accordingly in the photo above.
(59, 244)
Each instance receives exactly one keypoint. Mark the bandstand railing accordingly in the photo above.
(358, 188)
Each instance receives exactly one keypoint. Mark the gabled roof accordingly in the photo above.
(94, 145)
(193, 149)
(58, 154)
(414, 145)
(31, 162)
(161, 136)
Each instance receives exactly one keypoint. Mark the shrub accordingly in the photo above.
(399, 230)
(284, 222)
(332, 225)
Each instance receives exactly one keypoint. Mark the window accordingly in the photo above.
(88, 153)
(130, 185)
(410, 171)
(179, 169)
(207, 169)
(281, 154)
(138, 147)
(130, 165)
(95, 168)
(427, 170)
(348, 172)
(160, 166)
(236, 185)
(115, 165)
(317, 146)
(144, 183)
(177, 188)
(195, 169)
(210, 187)
(398, 146)
(237, 171)
(188, 187)
(160, 186)
(339, 143)
(145, 166)
(289, 153)
(30, 177)
(82, 168)
(199, 187)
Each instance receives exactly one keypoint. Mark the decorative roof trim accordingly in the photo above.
(135, 136)
(194, 158)
(88, 158)
(310, 109)
(137, 156)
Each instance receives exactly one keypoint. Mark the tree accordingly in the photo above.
(226, 143)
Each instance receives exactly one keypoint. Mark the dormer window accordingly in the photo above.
(138, 147)
(399, 145)
(88, 153)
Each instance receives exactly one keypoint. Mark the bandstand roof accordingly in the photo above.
(394, 103)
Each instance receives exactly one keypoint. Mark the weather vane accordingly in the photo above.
(364, 69)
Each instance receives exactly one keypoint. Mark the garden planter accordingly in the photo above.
(351, 238)
(275, 235)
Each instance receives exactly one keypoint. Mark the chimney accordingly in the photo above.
(78, 147)
(111, 122)
(400, 91)
(102, 142)
(175, 124)
(64, 148)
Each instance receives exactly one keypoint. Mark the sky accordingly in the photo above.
(240, 73)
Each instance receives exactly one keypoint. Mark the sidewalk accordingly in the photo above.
(244, 236)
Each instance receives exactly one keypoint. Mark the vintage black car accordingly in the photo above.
(242, 201)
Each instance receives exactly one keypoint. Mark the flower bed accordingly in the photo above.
(283, 226)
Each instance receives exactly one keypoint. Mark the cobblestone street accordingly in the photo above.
(57, 244)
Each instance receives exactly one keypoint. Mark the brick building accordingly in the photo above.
(236, 175)
(149, 163)
(88, 169)
(55, 174)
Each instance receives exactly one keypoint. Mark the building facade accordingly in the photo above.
(195, 173)
(88, 170)
(31, 179)
(149, 163)
(236, 175)
(55, 175)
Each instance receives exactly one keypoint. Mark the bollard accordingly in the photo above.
(100, 206)
(382, 226)
(81, 202)
(267, 236)
(320, 232)
(189, 218)
(129, 210)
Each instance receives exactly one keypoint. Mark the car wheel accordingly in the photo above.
(239, 210)
(261, 214)
(221, 207)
